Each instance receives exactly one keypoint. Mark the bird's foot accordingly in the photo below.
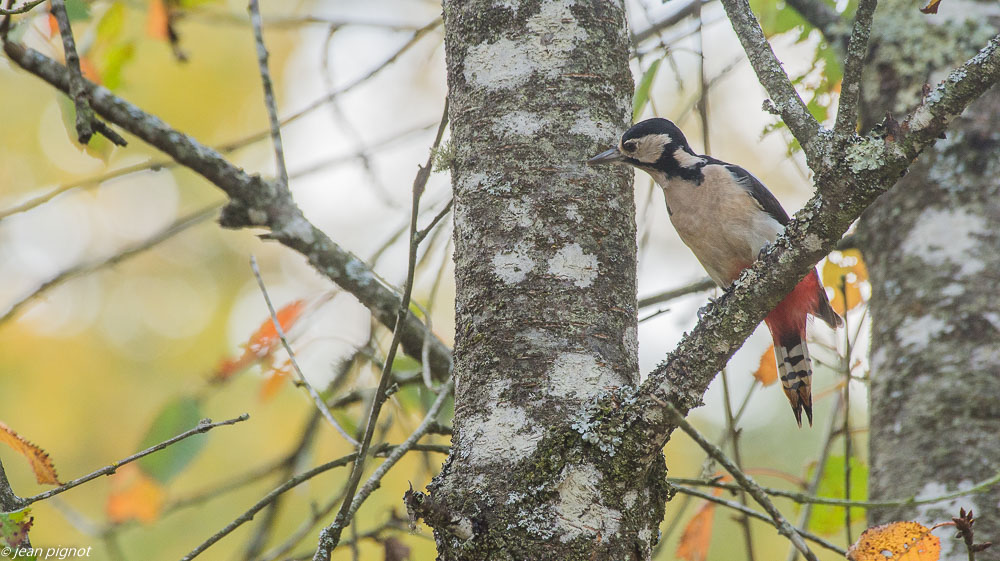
(706, 308)
(765, 249)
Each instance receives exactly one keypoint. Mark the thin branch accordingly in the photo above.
(754, 514)
(784, 528)
(771, 75)
(9, 501)
(850, 91)
(409, 444)
(268, 499)
(668, 295)
(806, 498)
(204, 426)
(734, 439)
(180, 225)
(686, 10)
(269, 101)
(320, 404)
(86, 123)
(253, 203)
(330, 536)
(22, 9)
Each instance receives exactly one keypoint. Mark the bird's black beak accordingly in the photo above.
(607, 157)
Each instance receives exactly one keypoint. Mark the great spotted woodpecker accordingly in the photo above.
(727, 217)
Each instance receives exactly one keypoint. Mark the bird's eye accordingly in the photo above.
(629, 146)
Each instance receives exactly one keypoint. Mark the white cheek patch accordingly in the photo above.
(651, 147)
(686, 159)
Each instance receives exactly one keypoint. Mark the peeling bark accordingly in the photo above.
(931, 246)
(546, 312)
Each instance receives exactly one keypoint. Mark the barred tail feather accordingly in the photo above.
(795, 371)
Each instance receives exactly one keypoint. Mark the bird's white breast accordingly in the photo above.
(720, 221)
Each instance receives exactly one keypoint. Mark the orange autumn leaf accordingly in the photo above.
(89, 71)
(767, 370)
(41, 463)
(843, 264)
(263, 342)
(898, 541)
(157, 21)
(134, 496)
(697, 535)
(53, 25)
(931, 7)
(275, 381)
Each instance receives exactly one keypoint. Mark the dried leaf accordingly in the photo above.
(697, 536)
(767, 370)
(41, 463)
(898, 541)
(845, 270)
(157, 20)
(931, 7)
(14, 527)
(134, 495)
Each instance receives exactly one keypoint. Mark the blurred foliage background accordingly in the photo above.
(118, 354)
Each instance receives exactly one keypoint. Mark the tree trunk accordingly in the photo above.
(545, 258)
(932, 247)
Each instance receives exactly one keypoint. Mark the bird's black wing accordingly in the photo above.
(756, 189)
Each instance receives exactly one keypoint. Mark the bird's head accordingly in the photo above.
(652, 145)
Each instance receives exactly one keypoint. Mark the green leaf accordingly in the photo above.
(14, 527)
(828, 519)
(77, 10)
(111, 24)
(113, 61)
(641, 96)
(177, 416)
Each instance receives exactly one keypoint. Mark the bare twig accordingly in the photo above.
(268, 499)
(204, 426)
(850, 91)
(330, 536)
(320, 404)
(807, 498)
(9, 501)
(86, 123)
(793, 110)
(180, 225)
(269, 101)
(22, 9)
(784, 528)
(754, 514)
(253, 203)
(668, 295)
(734, 439)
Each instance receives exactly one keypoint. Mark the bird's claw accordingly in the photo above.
(765, 249)
(706, 308)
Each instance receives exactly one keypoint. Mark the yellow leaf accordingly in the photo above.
(844, 271)
(898, 541)
(134, 495)
(767, 370)
(41, 463)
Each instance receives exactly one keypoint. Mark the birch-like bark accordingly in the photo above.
(545, 257)
(932, 246)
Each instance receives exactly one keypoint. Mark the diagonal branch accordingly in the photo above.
(850, 91)
(269, 101)
(751, 487)
(823, 17)
(869, 166)
(768, 68)
(254, 202)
